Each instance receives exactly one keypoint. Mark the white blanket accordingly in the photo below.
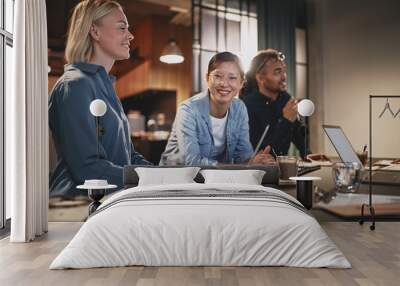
(206, 230)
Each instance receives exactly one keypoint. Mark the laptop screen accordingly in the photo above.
(341, 143)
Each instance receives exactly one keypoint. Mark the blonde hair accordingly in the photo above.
(79, 46)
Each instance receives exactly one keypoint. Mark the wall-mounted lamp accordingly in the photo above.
(306, 108)
(98, 108)
(171, 54)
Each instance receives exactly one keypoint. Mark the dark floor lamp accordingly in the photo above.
(96, 188)
(304, 185)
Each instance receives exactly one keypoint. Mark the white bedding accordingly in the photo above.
(183, 231)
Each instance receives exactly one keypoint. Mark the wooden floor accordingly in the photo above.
(375, 256)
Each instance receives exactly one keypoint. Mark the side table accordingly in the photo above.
(304, 188)
(96, 190)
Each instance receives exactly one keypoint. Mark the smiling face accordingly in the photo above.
(224, 82)
(271, 79)
(112, 36)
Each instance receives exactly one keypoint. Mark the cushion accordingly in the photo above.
(248, 177)
(163, 176)
(271, 177)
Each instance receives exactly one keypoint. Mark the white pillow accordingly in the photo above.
(165, 176)
(248, 177)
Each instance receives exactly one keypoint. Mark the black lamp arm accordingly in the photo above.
(99, 132)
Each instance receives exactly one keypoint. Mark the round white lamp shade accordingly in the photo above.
(98, 107)
(171, 59)
(306, 107)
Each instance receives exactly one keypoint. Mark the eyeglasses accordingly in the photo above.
(280, 57)
(219, 78)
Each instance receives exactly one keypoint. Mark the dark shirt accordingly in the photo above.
(74, 130)
(262, 112)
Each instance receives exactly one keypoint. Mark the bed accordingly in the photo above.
(200, 224)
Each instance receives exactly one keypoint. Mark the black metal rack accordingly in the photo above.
(369, 205)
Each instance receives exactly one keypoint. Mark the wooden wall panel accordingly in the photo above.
(52, 149)
(151, 35)
(135, 81)
(143, 34)
(179, 76)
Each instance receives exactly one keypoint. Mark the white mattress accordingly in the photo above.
(183, 231)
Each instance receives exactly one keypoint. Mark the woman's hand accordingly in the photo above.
(263, 157)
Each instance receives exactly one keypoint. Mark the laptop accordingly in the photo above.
(346, 153)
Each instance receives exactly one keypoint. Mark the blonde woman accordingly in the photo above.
(98, 36)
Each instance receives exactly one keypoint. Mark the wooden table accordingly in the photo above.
(385, 199)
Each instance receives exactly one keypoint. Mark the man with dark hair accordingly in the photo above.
(268, 104)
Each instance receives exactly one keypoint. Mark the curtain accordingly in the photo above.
(277, 23)
(26, 124)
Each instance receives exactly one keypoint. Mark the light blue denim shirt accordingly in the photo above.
(191, 141)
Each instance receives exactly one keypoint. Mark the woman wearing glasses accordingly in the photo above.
(268, 104)
(212, 127)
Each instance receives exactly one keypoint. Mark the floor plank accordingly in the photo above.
(375, 256)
